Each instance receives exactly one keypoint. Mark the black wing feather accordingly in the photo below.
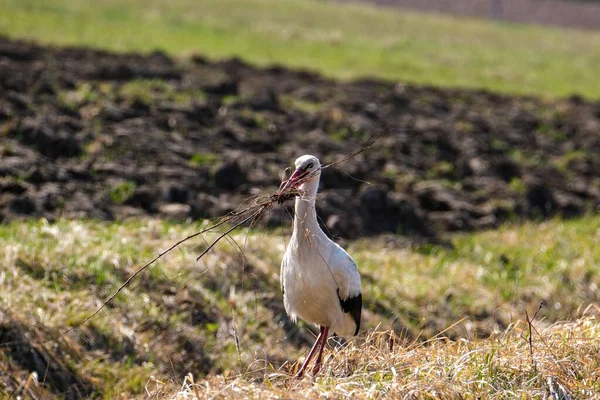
(353, 306)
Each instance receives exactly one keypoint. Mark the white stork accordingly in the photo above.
(319, 280)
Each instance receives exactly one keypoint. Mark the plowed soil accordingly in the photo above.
(87, 133)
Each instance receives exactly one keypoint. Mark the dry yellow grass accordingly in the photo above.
(561, 363)
(222, 319)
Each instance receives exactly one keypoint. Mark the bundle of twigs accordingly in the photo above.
(250, 213)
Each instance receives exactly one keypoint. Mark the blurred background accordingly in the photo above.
(125, 125)
(579, 14)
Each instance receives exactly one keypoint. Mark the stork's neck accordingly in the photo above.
(305, 221)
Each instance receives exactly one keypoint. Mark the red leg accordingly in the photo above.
(310, 355)
(317, 366)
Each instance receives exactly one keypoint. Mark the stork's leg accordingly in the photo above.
(317, 366)
(310, 355)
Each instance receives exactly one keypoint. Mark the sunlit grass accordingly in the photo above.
(54, 275)
(495, 275)
(560, 362)
(340, 40)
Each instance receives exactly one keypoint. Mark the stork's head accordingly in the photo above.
(308, 169)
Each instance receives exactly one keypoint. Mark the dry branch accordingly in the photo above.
(237, 218)
(242, 217)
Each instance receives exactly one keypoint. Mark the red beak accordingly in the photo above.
(296, 179)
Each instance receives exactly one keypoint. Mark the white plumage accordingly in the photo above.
(319, 279)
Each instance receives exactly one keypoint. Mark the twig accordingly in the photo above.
(44, 379)
(227, 232)
(251, 212)
(548, 347)
(530, 324)
(132, 276)
(366, 147)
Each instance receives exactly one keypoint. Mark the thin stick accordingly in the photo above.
(530, 324)
(371, 143)
(331, 164)
(227, 232)
(255, 211)
(44, 380)
(132, 276)
(260, 206)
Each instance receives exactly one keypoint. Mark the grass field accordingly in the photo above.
(223, 315)
(459, 313)
(342, 41)
(561, 363)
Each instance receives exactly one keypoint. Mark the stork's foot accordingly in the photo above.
(318, 343)
(316, 369)
(299, 375)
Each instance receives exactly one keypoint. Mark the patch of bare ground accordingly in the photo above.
(95, 134)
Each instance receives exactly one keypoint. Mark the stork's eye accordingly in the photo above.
(309, 166)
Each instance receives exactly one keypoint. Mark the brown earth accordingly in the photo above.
(88, 133)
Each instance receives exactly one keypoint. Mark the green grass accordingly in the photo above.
(122, 192)
(54, 275)
(340, 40)
(145, 90)
(203, 159)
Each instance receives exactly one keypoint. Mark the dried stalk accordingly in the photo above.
(250, 212)
(238, 218)
(530, 326)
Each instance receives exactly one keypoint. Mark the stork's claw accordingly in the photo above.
(316, 369)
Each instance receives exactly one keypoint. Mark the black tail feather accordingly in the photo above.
(353, 306)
